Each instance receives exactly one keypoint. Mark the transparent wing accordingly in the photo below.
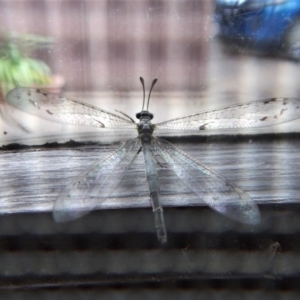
(211, 187)
(96, 184)
(251, 114)
(61, 109)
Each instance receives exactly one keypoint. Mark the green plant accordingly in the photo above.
(17, 68)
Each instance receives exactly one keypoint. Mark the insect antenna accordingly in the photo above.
(143, 84)
(152, 85)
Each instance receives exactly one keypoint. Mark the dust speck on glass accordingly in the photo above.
(96, 184)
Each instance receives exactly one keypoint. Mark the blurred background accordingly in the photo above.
(100, 45)
(103, 45)
(205, 53)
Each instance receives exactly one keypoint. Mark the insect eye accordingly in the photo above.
(138, 115)
(151, 116)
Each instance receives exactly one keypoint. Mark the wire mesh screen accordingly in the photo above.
(114, 252)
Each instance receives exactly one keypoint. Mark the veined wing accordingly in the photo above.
(211, 187)
(245, 115)
(96, 184)
(61, 109)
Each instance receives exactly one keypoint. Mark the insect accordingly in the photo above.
(98, 182)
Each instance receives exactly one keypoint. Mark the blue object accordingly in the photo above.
(272, 25)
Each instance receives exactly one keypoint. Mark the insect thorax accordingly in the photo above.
(145, 127)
